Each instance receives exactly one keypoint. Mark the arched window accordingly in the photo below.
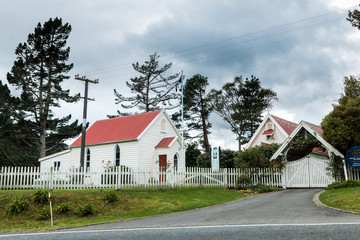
(117, 156)
(176, 162)
(162, 126)
(87, 162)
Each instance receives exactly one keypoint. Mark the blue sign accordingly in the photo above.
(353, 157)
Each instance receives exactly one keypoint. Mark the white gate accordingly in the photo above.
(307, 172)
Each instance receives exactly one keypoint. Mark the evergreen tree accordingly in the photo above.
(152, 90)
(241, 104)
(342, 125)
(196, 110)
(38, 71)
(16, 137)
(191, 155)
(354, 18)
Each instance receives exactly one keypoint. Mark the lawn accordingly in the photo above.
(129, 204)
(343, 198)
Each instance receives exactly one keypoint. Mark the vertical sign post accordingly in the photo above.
(215, 158)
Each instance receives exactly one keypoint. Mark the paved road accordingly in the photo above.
(288, 214)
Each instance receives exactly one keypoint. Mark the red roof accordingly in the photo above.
(118, 129)
(269, 132)
(165, 142)
(285, 124)
(316, 128)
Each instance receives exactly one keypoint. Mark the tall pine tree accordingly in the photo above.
(197, 110)
(38, 71)
(152, 89)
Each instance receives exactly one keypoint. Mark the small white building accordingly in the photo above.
(144, 141)
(271, 130)
(274, 129)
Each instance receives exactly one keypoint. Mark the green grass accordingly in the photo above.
(343, 198)
(129, 204)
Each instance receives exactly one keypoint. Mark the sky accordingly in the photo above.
(301, 49)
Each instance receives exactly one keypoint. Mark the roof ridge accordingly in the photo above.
(312, 123)
(137, 114)
(118, 129)
(283, 119)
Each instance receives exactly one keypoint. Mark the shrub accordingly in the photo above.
(41, 196)
(110, 197)
(203, 160)
(43, 214)
(227, 157)
(86, 209)
(344, 184)
(261, 188)
(257, 157)
(17, 206)
(191, 154)
(336, 167)
(62, 208)
(243, 182)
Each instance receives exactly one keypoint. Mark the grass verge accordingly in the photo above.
(342, 198)
(129, 204)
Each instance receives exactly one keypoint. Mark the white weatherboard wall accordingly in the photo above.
(151, 137)
(277, 137)
(101, 156)
(135, 154)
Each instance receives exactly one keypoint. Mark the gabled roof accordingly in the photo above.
(165, 142)
(313, 130)
(118, 129)
(316, 128)
(286, 125)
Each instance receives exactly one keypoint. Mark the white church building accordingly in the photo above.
(144, 141)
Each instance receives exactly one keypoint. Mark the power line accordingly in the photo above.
(128, 65)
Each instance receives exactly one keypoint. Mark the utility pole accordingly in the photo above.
(83, 134)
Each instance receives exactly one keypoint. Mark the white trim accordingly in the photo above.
(304, 125)
(155, 119)
(257, 131)
(54, 155)
(262, 124)
(173, 141)
(104, 143)
(170, 144)
(149, 125)
(278, 126)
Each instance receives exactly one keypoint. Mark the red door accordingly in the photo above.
(162, 168)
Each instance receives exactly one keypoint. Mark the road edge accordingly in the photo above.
(317, 201)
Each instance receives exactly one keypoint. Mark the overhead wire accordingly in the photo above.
(180, 57)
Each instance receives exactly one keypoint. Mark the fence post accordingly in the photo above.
(1, 177)
(283, 177)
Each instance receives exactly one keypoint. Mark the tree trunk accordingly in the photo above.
(206, 144)
(42, 149)
(239, 142)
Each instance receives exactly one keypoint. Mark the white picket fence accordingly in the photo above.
(353, 173)
(122, 177)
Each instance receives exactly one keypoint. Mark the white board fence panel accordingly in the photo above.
(123, 177)
(353, 173)
(307, 172)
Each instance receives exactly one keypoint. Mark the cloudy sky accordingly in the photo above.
(301, 49)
